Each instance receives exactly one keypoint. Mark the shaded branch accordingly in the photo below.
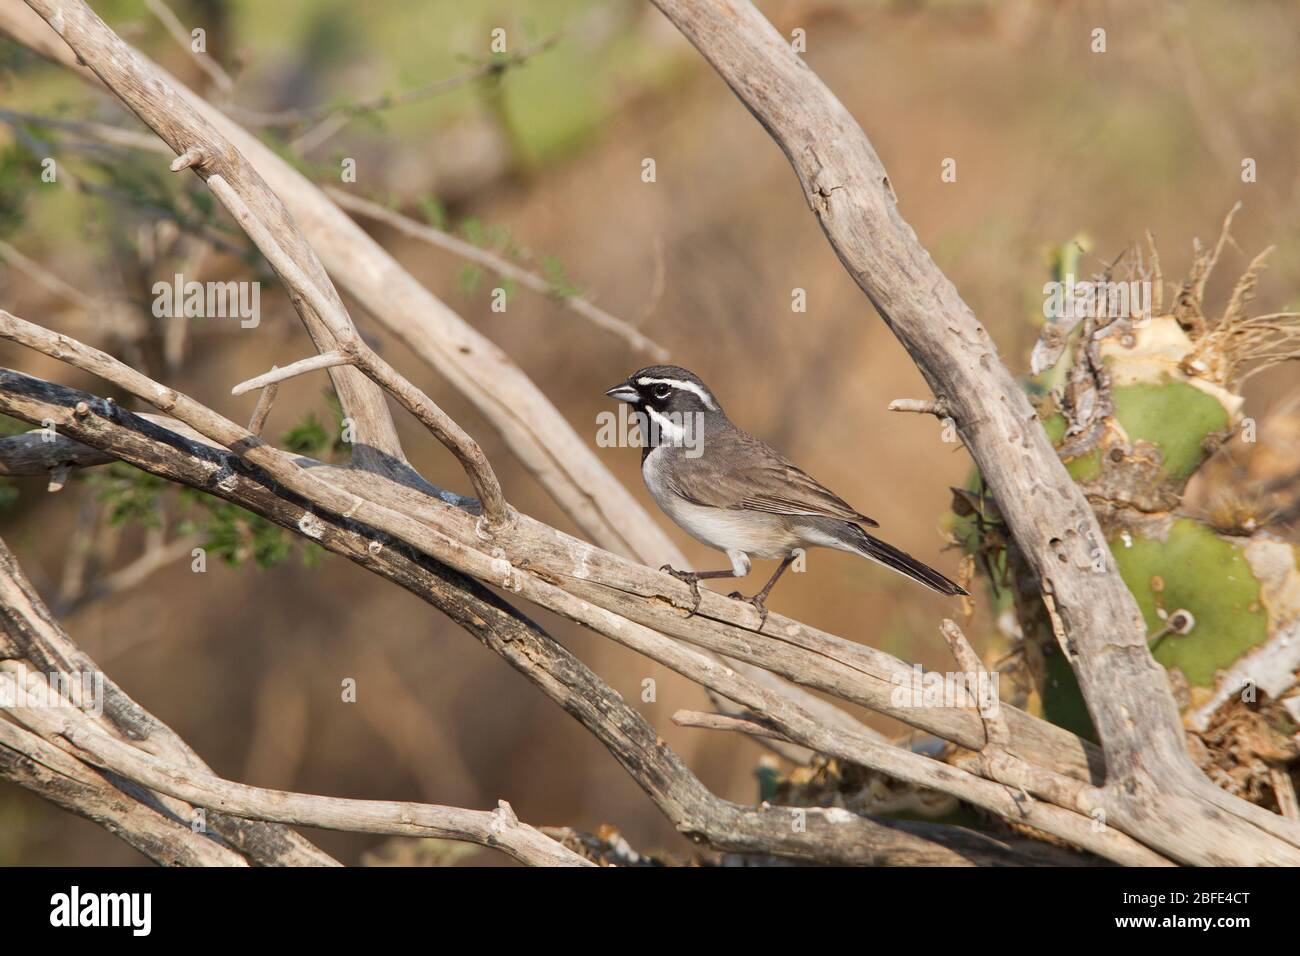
(1152, 785)
(32, 633)
(150, 96)
(499, 829)
(831, 836)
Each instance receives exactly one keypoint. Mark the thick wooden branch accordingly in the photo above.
(41, 452)
(542, 439)
(831, 836)
(349, 343)
(149, 94)
(499, 829)
(528, 557)
(794, 721)
(44, 769)
(1152, 783)
(33, 634)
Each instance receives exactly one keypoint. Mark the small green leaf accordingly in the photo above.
(129, 493)
(308, 437)
(435, 213)
(469, 280)
(562, 287)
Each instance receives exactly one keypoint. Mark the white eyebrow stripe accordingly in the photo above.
(705, 397)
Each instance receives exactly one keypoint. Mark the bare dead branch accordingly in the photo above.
(793, 721)
(921, 406)
(205, 61)
(497, 66)
(745, 725)
(29, 631)
(151, 97)
(89, 130)
(543, 440)
(155, 557)
(262, 410)
(1152, 785)
(347, 341)
(831, 836)
(39, 766)
(596, 582)
(301, 367)
(499, 829)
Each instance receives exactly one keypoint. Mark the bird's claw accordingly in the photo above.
(687, 577)
(756, 601)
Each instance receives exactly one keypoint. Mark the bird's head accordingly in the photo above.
(666, 390)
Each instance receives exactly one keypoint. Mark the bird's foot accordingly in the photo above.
(687, 577)
(756, 601)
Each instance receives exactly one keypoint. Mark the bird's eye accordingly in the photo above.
(661, 391)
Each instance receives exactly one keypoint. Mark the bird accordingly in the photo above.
(736, 493)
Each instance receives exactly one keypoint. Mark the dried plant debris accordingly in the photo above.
(1253, 751)
(1255, 483)
(1138, 398)
(1141, 401)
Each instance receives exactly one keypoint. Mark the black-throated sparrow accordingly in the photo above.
(736, 493)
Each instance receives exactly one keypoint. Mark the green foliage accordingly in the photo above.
(229, 532)
(129, 493)
(13, 58)
(769, 780)
(308, 437)
(311, 437)
(562, 287)
(499, 238)
(474, 231)
(226, 530)
(1083, 468)
(1064, 260)
(234, 535)
(152, 188)
(17, 166)
(470, 278)
(339, 446)
(435, 213)
(8, 493)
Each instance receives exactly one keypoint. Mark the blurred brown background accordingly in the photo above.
(1051, 141)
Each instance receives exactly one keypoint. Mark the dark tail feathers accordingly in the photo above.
(888, 555)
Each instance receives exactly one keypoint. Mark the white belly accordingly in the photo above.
(754, 533)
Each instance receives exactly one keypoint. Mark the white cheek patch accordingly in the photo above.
(677, 383)
(674, 432)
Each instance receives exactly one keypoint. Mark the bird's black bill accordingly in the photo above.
(623, 392)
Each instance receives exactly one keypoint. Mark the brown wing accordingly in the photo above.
(757, 478)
